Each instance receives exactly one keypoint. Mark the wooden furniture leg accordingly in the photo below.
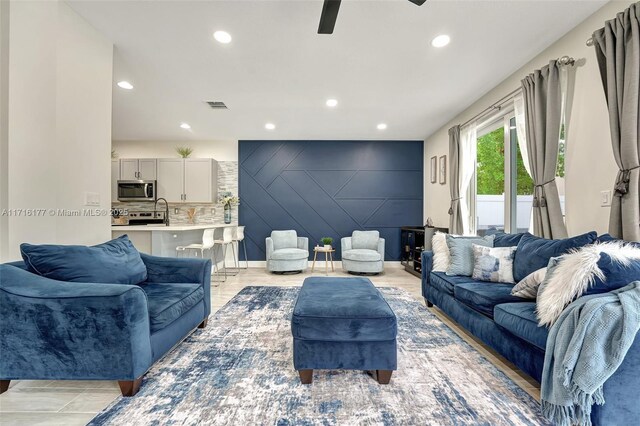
(326, 263)
(331, 257)
(315, 254)
(130, 387)
(203, 324)
(4, 385)
(384, 376)
(306, 376)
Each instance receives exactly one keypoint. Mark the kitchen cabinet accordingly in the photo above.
(115, 175)
(188, 180)
(138, 169)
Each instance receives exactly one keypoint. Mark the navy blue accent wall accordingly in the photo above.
(329, 189)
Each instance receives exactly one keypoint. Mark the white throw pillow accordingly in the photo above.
(441, 256)
(528, 287)
(574, 274)
(494, 264)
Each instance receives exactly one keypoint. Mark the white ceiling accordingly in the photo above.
(379, 64)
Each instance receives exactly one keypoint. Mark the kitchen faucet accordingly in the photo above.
(166, 211)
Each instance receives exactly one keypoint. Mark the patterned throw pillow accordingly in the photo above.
(528, 287)
(441, 257)
(493, 264)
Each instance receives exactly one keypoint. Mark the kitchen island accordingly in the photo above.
(161, 240)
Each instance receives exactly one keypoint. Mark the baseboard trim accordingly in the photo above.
(337, 264)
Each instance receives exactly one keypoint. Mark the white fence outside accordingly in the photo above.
(490, 211)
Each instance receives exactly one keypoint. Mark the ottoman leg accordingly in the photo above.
(384, 376)
(306, 376)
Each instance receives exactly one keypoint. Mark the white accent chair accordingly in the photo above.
(286, 252)
(363, 252)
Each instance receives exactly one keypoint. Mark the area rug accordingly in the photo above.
(239, 371)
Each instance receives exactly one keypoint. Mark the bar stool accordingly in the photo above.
(238, 237)
(227, 239)
(208, 243)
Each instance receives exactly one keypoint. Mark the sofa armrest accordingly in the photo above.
(621, 392)
(303, 243)
(176, 270)
(269, 247)
(427, 266)
(345, 244)
(66, 330)
(381, 248)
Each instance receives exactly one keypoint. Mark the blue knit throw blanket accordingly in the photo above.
(585, 347)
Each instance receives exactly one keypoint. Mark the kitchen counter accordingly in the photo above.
(170, 228)
(161, 240)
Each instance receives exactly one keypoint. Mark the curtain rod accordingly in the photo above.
(589, 41)
(564, 60)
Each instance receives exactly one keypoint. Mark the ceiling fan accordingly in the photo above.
(330, 14)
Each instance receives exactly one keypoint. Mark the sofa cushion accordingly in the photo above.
(342, 310)
(520, 319)
(362, 255)
(284, 239)
(365, 240)
(446, 283)
(616, 274)
(289, 254)
(483, 297)
(116, 262)
(534, 253)
(167, 302)
(501, 239)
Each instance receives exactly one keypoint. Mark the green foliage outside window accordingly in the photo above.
(490, 169)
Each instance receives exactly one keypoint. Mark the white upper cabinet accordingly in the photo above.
(171, 179)
(189, 180)
(200, 180)
(138, 169)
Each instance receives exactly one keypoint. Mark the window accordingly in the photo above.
(501, 192)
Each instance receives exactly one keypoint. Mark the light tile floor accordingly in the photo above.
(72, 403)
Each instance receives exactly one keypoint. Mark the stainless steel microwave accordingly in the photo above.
(137, 190)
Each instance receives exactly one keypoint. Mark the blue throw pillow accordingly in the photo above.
(116, 262)
(607, 238)
(534, 252)
(461, 252)
(617, 275)
(502, 239)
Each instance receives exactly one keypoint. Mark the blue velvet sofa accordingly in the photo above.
(508, 324)
(56, 330)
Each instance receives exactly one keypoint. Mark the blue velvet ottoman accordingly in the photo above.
(345, 324)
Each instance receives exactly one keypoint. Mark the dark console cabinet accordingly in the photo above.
(414, 240)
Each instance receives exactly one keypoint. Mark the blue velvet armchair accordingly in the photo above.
(56, 330)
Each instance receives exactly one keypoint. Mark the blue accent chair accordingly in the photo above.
(508, 324)
(58, 330)
(343, 323)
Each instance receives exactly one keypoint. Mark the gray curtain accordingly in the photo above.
(618, 52)
(543, 113)
(455, 211)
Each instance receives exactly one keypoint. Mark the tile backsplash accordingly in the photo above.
(205, 212)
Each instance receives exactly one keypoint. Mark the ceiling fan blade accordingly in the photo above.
(418, 2)
(329, 15)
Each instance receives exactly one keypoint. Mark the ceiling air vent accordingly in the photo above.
(216, 105)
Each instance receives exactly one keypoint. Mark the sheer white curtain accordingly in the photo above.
(468, 157)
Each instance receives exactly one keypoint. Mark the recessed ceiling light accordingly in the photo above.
(381, 126)
(270, 126)
(222, 37)
(125, 85)
(441, 41)
(185, 126)
(332, 103)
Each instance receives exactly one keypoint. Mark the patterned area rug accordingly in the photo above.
(239, 370)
